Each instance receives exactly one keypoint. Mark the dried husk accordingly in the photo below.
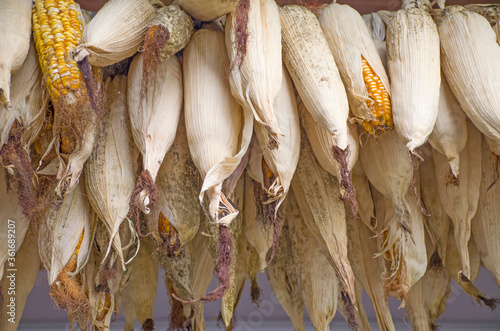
(459, 197)
(110, 168)
(154, 118)
(218, 131)
(256, 79)
(349, 39)
(248, 266)
(362, 248)
(317, 194)
(415, 73)
(15, 31)
(388, 168)
(485, 227)
(362, 322)
(283, 276)
(180, 27)
(115, 33)
(316, 277)
(283, 159)
(450, 131)
(366, 210)
(313, 70)
(208, 10)
(471, 64)
(27, 260)
(139, 295)
(178, 187)
(377, 27)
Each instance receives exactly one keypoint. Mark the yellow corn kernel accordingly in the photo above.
(379, 102)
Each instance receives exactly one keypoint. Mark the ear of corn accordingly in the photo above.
(15, 29)
(460, 197)
(414, 69)
(208, 10)
(27, 260)
(366, 81)
(318, 285)
(139, 295)
(450, 132)
(471, 64)
(317, 194)
(485, 227)
(115, 33)
(218, 130)
(154, 118)
(313, 70)
(109, 170)
(257, 80)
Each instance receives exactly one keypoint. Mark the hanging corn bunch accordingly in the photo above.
(110, 169)
(450, 132)
(256, 75)
(153, 121)
(208, 10)
(318, 198)
(366, 81)
(178, 212)
(471, 64)
(139, 294)
(414, 69)
(15, 29)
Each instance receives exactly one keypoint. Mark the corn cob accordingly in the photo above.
(366, 81)
(15, 29)
(256, 79)
(414, 68)
(208, 10)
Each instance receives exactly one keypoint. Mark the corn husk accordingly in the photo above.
(256, 76)
(317, 194)
(360, 313)
(316, 280)
(248, 267)
(414, 70)
(460, 197)
(218, 130)
(364, 196)
(179, 26)
(362, 247)
(388, 168)
(376, 27)
(178, 188)
(438, 224)
(15, 30)
(450, 132)
(349, 39)
(472, 68)
(485, 227)
(208, 10)
(27, 260)
(489, 11)
(314, 72)
(115, 33)
(139, 294)
(283, 276)
(109, 170)
(154, 118)
(282, 160)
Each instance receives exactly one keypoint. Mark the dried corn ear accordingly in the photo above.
(208, 10)
(255, 74)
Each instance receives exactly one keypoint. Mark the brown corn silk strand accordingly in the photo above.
(18, 170)
(349, 311)
(95, 93)
(222, 268)
(242, 11)
(148, 325)
(349, 195)
(177, 321)
(415, 161)
(450, 179)
(145, 183)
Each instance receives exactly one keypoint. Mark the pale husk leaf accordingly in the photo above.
(218, 131)
(110, 168)
(314, 72)
(366, 209)
(257, 80)
(208, 10)
(15, 31)
(414, 69)
(460, 200)
(471, 64)
(450, 131)
(115, 33)
(349, 41)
